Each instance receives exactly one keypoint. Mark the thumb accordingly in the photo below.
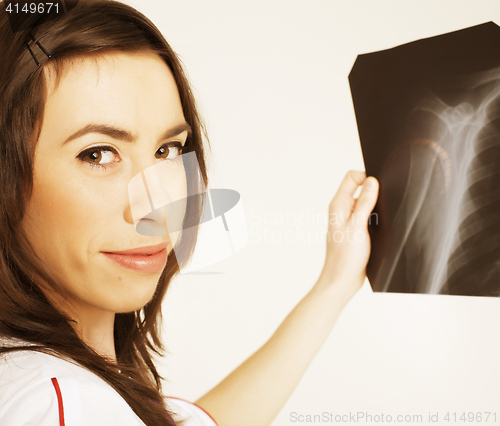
(366, 201)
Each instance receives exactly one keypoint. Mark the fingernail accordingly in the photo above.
(370, 184)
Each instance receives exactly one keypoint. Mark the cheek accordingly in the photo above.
(64, 214)
(51, 209)
(48, 224)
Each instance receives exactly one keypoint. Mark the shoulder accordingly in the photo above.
(190, 413)
(37, 389)
(40, 389)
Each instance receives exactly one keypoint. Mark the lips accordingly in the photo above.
(149, 260)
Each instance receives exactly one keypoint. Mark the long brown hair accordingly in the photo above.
(91, 27)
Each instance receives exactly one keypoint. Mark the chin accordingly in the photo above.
(131, 306)
(133, 300)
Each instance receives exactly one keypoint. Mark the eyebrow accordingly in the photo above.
(124, 135)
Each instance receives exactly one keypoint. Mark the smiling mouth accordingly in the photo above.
(147, 260)
(142, 251)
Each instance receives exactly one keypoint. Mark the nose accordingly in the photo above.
(138, 165)
(158, 195)
(127, 214)
(155, 217)
(143, 210)
(139, 203)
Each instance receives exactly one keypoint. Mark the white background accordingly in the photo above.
(271, 81)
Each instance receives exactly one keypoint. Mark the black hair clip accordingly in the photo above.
(41, 48)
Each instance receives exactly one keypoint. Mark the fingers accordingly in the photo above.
(366, 200)
(343, 202)
(351, 182)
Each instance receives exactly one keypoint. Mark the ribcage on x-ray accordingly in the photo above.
(442, 198)
(473, 266)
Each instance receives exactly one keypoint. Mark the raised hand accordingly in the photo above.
(348, 241)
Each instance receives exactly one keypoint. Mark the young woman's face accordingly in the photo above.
(107, 120)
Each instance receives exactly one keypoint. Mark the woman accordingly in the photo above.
(89, 100)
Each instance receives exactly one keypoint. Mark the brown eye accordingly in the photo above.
(93, 156)
(100, 156)
(169, 151)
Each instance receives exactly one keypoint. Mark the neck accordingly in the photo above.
(97, 331)
(93, 325)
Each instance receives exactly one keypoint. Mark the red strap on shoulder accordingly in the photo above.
(59, 400)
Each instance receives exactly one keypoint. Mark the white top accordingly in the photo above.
(37, 389)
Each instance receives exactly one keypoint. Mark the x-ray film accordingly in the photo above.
(428, 116)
